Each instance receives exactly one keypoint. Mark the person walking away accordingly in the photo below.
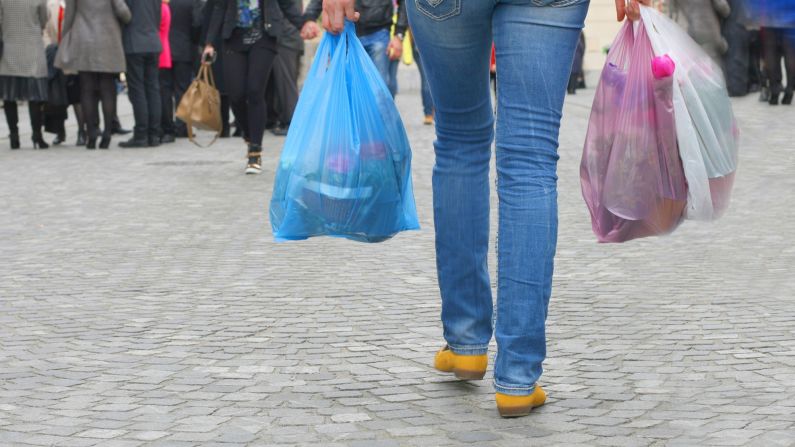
(535, 42)
(281, 95)
(249, 29)
(142, 48)
(53, 35)
(183, 40)
(167, 131)
(577, 72)
(779, 43)
(217, 66)
(23, 67)
(373, 28)
(427, 101)
(91, 45)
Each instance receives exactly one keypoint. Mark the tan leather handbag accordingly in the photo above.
(200, 106)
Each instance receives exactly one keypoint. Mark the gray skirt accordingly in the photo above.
(18, 88)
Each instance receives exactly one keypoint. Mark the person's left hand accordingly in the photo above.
(395, 49)
(630, 9)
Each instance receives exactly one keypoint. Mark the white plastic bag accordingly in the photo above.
(706, 129)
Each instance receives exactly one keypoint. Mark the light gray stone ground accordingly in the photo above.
(143, 303)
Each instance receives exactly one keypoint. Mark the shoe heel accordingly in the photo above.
(104, 143)
(39, 143)
(92, 143)
(465, 374)
(514, 412)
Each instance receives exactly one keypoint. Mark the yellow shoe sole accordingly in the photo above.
(518, 406)
(465, 367)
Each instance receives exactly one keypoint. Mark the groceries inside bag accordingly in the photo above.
(345, 169)
(662, 139)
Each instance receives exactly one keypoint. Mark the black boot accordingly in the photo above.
(12, 119)
(38, 142)
(91, 142)
(81, 138)
(787, 99)
(104, 143)
(36, 109)
(14, 139)
(136, 142)
(59, 139)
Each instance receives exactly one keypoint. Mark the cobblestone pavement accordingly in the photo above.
(143, 302)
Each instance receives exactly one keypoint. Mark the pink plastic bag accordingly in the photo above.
(631, 174)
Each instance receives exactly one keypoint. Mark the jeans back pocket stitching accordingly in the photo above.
(558, 3)
(455, 11)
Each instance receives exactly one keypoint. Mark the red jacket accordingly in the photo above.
(165, 27)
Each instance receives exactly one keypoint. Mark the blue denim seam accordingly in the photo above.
(469, 350)
(500, 387)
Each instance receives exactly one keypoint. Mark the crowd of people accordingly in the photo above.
(753, 42)
(58, 55)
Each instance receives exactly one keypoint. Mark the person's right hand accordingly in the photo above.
(335, 12)
(630, 9)
(310, 30)
(208, 54)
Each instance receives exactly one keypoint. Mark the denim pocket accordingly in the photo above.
(439, 9)
(558, 3)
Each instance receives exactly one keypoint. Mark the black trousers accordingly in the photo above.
(143, 81)
(776, 44)
(36, 111)
(167, 101)
(246, 72)
(96, 87)
(174, 82)
(281, 95)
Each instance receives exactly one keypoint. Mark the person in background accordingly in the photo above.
(778, 44)
(142, 48)
(736, 60)
(249, 30)
(535, 43)
(577, 72)
(184, 42)
(167, 130)
(281, 95)
(427, 101)
(91, 46)
(217, 67)
(372, 27)
(23, 67)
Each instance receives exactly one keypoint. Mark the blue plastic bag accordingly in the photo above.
(345, 170)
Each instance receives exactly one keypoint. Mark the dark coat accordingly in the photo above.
(184, 33)
(375, 15)
(224, 17)
(218, 65)
(142, 34)
(291, 37)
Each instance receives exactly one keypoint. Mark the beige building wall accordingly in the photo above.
(601, 28)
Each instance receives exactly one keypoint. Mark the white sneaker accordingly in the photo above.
(254, 165)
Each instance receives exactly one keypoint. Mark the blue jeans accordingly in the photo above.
(376, 44)
(535, 41)
(393, 74)
(427, 101)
